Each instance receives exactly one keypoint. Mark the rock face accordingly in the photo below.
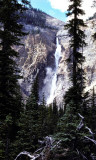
(90, 60)
(38, 51)
(36, 54)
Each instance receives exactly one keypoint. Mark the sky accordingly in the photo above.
(58, 8)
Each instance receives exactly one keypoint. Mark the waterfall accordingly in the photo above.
(52, 74)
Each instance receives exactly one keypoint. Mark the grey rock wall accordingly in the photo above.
(38, 53)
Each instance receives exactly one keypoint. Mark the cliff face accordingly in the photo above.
(36, 54)
(38, 51)
(90, 60)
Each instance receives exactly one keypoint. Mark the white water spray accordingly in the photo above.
(54, 74)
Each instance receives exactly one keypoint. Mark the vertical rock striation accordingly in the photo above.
(38, 53)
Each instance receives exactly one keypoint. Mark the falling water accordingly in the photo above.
(51, 96)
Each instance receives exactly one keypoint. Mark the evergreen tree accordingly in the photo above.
(35, 88)
(42, 119)
(32, 112)
(28, 134)
(74, 96)
(50, 120)
(70, 129)
(10, 34)
(5, 136)
(61, 112)
(55, 115)
(27, 137)
(21, 141)
(76, 43)
(10, 97)
(92, 112)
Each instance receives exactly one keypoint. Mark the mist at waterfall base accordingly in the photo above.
(50, 81)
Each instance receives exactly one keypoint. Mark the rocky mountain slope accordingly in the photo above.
(38, 52)
(90, 59)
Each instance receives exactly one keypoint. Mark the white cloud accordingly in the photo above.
(89, 10)
(59, 4)
(62, 5)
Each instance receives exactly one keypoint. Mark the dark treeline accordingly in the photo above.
(35, 122)
(33, 17)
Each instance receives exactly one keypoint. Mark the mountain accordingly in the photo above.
(90, 59)
(37, 55)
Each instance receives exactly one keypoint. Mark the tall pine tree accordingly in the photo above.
(10, 33)
(10, 97)
(76, 58)
(70, 129)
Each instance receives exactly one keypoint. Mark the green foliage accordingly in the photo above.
(10, 96)
(76, 42)
(72, 137)
(71, 129)
(10, 34)
(75, 93)
(22, 126)
(27, 135)
(35, 89)
(55, 115)
(91, 112)
(68, 123)
(5, 135)
(42, 119)
(35, 122)
(49, 120)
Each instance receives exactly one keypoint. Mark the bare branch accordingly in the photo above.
(92, 140)
(28, 154)
(81, 124)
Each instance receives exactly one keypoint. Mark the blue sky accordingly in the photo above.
(45, 6)
(58, 8)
